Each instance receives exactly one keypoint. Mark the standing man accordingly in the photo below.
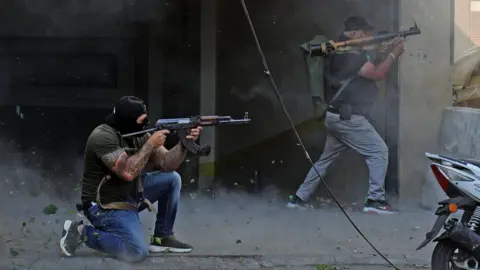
(346, 117)
(113, 182)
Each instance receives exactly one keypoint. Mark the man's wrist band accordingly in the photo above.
(393, 56)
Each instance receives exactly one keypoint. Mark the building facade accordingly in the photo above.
(198, 57)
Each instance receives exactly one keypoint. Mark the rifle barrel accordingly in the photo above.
(379, 38)
(406, 33)
(235, 121)
(226, 121)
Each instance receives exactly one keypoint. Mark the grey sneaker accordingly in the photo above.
(168, 244)
(296, 203)
(71, 238)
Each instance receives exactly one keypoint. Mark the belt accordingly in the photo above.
(333, 110)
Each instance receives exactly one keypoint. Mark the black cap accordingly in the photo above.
(356, 23)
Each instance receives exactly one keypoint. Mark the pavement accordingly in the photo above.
(228, 231)
(193, 262)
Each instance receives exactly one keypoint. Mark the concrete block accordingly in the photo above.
(458, 138)
(459, 132)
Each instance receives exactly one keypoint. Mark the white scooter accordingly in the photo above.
(459, 245)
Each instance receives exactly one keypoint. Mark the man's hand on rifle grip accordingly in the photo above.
(194, 133)
(157, 139)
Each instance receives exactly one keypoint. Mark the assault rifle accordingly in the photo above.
(182, 126)
(331, 47)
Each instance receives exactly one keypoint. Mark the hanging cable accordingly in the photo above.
(285, 111)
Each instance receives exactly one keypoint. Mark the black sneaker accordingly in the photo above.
(378, 207)
(296, 203)
(71, 238)
(168, 244)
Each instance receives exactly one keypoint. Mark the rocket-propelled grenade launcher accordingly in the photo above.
(331, 47)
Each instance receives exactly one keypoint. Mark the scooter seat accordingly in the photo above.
(472, 161)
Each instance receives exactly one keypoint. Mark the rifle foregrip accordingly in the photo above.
(209, 117)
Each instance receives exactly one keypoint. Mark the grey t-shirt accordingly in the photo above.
(361, 93)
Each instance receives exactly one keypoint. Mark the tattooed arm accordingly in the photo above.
(169, 160)
(125, 167)
(107, 148)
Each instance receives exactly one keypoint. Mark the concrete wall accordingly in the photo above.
(459, 133)
(425, 88)
(76, 53)
(105, 18)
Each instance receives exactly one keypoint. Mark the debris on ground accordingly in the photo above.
(13, 252)
(50, 210)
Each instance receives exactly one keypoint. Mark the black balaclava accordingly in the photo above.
(125, 114)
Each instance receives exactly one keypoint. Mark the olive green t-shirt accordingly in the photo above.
(105, 141)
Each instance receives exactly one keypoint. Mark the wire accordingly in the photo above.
(285, 111)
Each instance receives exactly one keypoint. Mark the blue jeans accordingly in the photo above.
(119, 232)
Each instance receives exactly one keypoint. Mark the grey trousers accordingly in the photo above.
(358, 134)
